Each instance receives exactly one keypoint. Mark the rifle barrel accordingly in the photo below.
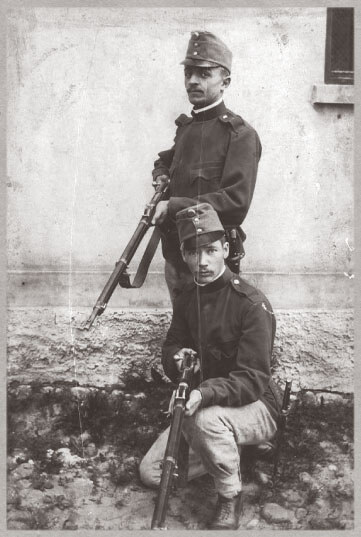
(127, 255)
(169, 464)
(172, 449)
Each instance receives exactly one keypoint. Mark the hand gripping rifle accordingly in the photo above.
(285, 410)
(120, 275)
(171, 456)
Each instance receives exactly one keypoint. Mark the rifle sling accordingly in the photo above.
(141, 274)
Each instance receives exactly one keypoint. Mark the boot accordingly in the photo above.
(228, 511)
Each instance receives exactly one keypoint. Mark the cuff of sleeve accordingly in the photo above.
(207, 396)
(168, 363)
(177, 204)
(160, 171)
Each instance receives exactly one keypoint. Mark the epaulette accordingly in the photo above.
(232, 119)
(245, 289)
(183, 119)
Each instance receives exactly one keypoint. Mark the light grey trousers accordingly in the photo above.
(215, 435)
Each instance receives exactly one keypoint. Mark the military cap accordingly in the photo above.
(207, 50)
(198, 225)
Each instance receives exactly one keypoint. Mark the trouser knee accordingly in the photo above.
(148, 474)
(200, 426)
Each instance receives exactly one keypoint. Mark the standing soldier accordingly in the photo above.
(214, 158)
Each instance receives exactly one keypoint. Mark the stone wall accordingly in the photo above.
(314, 348)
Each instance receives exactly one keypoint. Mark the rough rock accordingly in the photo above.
(310, 434)
(13, 497)
(252, 524)
(23, 392)
(293, 497)
(326, 398)
(23, 471)
(310, 398)
(305, 477)
(251, 489)
(11, 464)
(83, 486)
(79, 392)
(300, 513)
(261, 477)
(90, 450)
(272, 512)
(66, 457)
(31, 497)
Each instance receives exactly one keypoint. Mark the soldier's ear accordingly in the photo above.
(225, 250)
(226, 81)
(182, 252)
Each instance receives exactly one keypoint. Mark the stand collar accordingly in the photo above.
(210, 113)
(217, 284)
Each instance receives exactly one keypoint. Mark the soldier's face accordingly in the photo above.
(206, 262)
(204, 85)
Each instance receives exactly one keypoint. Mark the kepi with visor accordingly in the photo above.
(207, 50)
(198, 225)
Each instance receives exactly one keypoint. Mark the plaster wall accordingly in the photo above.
(93, 94)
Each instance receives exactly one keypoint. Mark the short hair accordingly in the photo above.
(223, 240)
(225, 72)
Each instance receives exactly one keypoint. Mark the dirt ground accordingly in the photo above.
(73, 456)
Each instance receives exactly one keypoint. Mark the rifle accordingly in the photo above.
(170, 460)
(285, 410)
(236, 251)
(120, 275)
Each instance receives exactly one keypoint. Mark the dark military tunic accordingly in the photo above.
(231, 325)
(214, 159)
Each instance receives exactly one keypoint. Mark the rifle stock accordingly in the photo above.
(285, 410)
(171, 453)
(119, 274)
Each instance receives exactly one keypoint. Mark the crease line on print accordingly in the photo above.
(351, 248)
(199, 316)
(80, 126)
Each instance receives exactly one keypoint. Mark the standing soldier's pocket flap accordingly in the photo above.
(207, 173)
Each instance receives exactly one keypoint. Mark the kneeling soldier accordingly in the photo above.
(231, 326)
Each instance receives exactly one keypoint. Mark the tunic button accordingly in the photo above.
(199, 230)
(224, 117)
(195, 53)
(196, 220)
(236, 281)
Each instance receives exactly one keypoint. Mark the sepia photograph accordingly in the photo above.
(180, 267)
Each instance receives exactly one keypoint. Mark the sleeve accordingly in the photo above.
(177, 338)
(163, 163)
(251, 375)
(238, 180)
